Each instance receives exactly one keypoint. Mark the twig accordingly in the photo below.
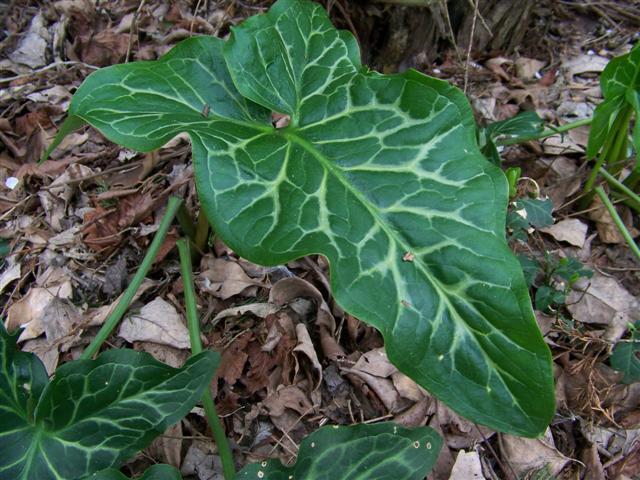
(473, 31)
(48, 67)
(134, 27)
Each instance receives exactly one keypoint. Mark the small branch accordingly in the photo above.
(615, 183)
(196, 347)
(122, 306)
(618, 221)
(471, 35)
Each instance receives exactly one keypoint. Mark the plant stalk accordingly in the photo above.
(618, 221)
(186, 222)
(114, 317)
(224, 449)
(634, 199)
(546, 133)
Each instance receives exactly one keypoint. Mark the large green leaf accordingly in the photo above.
(94, 414)
(155, 472)
(381, 451)
(620, 85)
(379, 173)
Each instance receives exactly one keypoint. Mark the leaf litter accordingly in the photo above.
(79, 223)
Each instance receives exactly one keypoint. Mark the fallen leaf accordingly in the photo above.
(288, 397)
(32, 48)
(467, 467)
(104, 48)
(11, 272)
(529, 454)
(223, 278)
(45, 350)
(260, 310)
(39, 306)
(375, 362)
(157, 322)
(528, 69)
(305, 349)
(201, 462)
(584, 64)
(572, 231)
(604, 301)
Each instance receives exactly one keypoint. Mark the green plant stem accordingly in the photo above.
(618, 221)
(224, 449)
(544, 134)
(610, 153)
(114, 317)
(615, 183)
(202, 231)
(186, 222)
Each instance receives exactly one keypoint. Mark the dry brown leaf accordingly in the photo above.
(288, 397)
(406, 387)
(530, 454)
(168, 447)
(383, 388)
(173, 357)
(572, 231)
(45, 350)
(608, 232)
(104, 48)
(467, 467)
(57, 196)
(233, 359)
(305, 349)
(584, 64)
(375, 362)
(95, 318)
(11, 272)
(201, 461)
(260, 310)
(528, 69)
(593, 466)
(157, 322)
(32, 48)
(39, 306)
(603, 300)
(224, 278)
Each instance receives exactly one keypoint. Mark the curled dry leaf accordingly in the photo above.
(157, 322)
(305, 349)
(530, 454)
(603, 300)
(42, 309)
(32, 49)
(11, 272)
(572, 231)
(224, 278)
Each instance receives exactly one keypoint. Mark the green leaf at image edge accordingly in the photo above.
(155, 472)
(379, 173)
(380, 451)
(94, 414)
(626, 356)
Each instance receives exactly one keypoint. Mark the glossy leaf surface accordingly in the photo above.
(620, 85)
(382, 451)
(379, 173)
(94, 414)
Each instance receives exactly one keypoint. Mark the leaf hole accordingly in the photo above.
(280, 120)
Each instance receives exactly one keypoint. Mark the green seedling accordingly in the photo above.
(626, 355)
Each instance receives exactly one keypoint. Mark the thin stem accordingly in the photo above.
(618, 221)
(202, 231)
(546, 133)
(615, 183)
(611, 151)
(122, 306)
(186, 222)
(224, 449)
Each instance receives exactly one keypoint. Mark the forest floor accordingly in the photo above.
(75, 228)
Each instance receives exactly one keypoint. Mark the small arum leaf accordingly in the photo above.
(381, 451)
(94, 414)
(620, 85)
(626, 356)
(155, 472)
(372, 170)
(538, 211)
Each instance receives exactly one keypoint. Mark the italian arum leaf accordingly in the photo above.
(382, 450)
(620, 85)
(155, 472)
(379, 173)
(626, 356)
(94, 414)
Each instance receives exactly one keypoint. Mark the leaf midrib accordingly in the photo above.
(292, 136)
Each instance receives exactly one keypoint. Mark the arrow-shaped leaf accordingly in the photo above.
(379, 173)
(94, 414)
(382, 450)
